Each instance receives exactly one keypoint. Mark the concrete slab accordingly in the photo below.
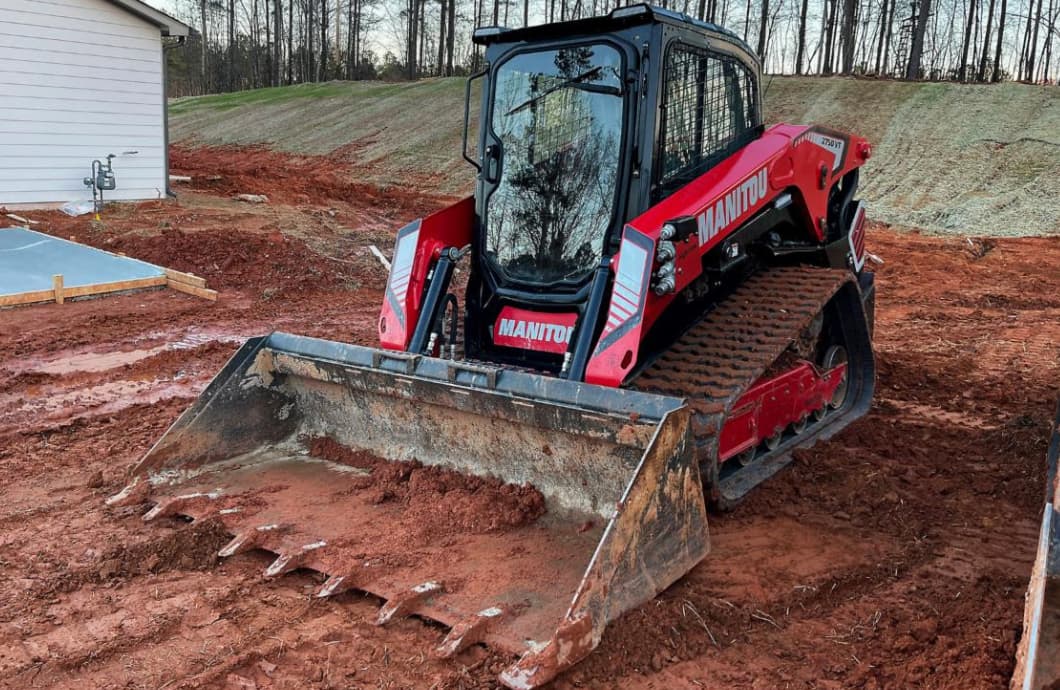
(29, 259)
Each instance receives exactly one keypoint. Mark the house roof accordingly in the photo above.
(168, 25)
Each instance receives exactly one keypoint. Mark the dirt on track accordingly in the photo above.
(895, 555)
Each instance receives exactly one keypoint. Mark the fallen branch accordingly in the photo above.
(20, 219)
(379, 255)
(763, 616)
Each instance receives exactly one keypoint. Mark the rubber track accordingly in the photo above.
(724, 354)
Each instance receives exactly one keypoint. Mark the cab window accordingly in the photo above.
(708, 111)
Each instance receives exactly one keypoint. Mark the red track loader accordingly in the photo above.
(648, 302)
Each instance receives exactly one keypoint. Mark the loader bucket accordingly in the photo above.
(623, 518)
(1038, 654)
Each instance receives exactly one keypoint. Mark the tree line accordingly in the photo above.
(244, 44)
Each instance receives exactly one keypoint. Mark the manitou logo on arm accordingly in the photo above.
(730, 208)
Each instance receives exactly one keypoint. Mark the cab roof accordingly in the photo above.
(619, 18)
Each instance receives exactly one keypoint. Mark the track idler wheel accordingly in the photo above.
(833, 357)
(800, 426)
(773, 442)
(747, 457)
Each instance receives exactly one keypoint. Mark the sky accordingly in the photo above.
(167, 6)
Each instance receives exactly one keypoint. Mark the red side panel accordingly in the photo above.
(770, 406)
(804, 162)
(417, 246)
(616, 351)
(857, 237)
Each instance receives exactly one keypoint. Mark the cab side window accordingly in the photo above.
(708, 111)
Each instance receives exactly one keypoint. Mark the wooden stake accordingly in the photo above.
(181, 286)
(187, 278)
(57, 287)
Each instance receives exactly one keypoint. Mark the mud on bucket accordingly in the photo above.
(285, 447)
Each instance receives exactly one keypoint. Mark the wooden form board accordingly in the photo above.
(60, 291)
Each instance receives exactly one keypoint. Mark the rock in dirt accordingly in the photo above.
(237, 682)
(253, 198)
(95, 480)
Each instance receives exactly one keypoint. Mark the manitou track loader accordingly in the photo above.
(648, 302)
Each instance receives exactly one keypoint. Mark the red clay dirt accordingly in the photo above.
(438, 500)
(895, 555)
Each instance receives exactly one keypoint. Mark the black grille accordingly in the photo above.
(708, 112)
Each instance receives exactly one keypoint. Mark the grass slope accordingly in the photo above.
(948, 157)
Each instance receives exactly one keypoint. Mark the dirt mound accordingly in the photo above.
(232, 170)
(440, 498)
(235, 259)
(193, 547)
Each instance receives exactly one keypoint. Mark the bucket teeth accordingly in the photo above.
(469, 631)
(403, 605)
(291, 560)
(572, 642)
(249, 540)
(181, 504)
(134, 492)
(335, 584)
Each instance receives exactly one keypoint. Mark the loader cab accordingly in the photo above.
(583, 126)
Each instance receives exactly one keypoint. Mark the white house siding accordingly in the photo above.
(78, 79)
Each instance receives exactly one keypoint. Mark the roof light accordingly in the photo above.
(487, 31)
(631, 11)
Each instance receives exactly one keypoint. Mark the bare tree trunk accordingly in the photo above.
(829, 42)
(916, 51)
(231, 45)
(290, 41)
(442, 16)
(421, 52)
(1025, 43)
(355, 50)
(310, 34)
(986, 43)
(349, 38)
(265, 77)
(962, 69)
(763, 31)
(747, 21)
(801, 50)
(413, 38)
(450, 38)
(325, 17)
(1048, 47)
(882, 38)
(887, 44)
(338, 26)
(204, 57)
(1032, 54)
(996, 75)
(823, 37)
(847, 35)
